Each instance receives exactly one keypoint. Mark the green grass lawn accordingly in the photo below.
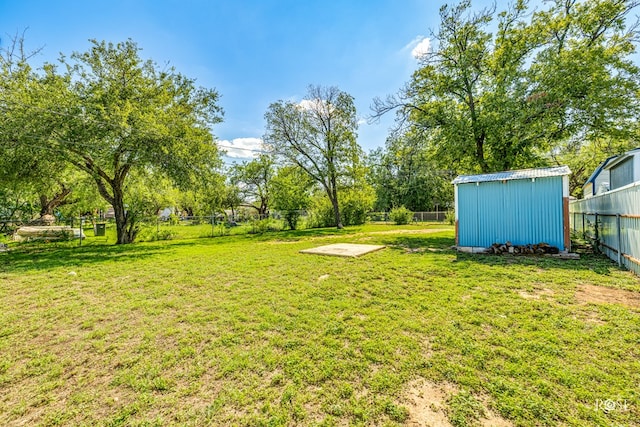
(244, 330)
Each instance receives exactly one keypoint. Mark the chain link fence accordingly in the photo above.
(417, 217)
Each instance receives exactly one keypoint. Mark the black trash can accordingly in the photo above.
(99, 229)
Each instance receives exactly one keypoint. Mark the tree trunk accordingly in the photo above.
(336, 212)
(126, 229)
(264, 209)
(121, 220)
(47, 206)
(480, 153)
(333, 195)
(126, 226)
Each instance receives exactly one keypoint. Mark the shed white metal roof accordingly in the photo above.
(516, 174)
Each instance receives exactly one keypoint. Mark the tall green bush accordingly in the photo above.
(320, 212)
(354, 204)
(451, 217)
(401, 215)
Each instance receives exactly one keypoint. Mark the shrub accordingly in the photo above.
(321, 213)
(291, 217)
(354, 205)
(150, 235)
(354, 211)
(401, 215)
(259, 226)
(450, 217)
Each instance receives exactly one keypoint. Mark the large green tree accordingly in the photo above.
(253, 179)
(112, 114)
(403, 174)
(488, 101)
(319, 136)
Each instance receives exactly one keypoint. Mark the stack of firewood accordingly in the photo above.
(508, 248)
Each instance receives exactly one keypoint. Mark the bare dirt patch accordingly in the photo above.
(593, 318)
(427, 405)
(536, 293)
(601, 295)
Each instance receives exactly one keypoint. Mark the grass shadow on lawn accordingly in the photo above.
(43, 258)
(296, 235)
(40, 256)
(597, 263)
(414, 242)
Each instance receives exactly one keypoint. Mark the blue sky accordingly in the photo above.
(253, 52)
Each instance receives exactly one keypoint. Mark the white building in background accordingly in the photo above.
(615, 172)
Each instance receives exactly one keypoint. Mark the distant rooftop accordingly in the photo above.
(517, 174)
(609, 162)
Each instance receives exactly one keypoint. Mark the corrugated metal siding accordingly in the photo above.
(622, 174)
(602, 182)
(625, 201)
(520, 211)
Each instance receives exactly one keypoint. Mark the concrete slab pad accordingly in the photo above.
(343, 249)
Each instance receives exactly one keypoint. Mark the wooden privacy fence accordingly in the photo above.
(612, 222)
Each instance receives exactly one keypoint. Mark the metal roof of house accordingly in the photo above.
(599, 169)
(608, 163)
(624, 156)
(517, 174)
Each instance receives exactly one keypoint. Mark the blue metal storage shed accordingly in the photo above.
(523, 207)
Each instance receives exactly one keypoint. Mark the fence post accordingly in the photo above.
(619, 240)
(584, 232)
(80, 231)
(595, 233)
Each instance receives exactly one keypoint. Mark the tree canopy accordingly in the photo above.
(45, 180)
(403, 174)
(496, 101)
(253, 180)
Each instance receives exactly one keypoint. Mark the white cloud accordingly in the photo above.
(419, 47)
(242, 148)
(311, 104)
(306, 104)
